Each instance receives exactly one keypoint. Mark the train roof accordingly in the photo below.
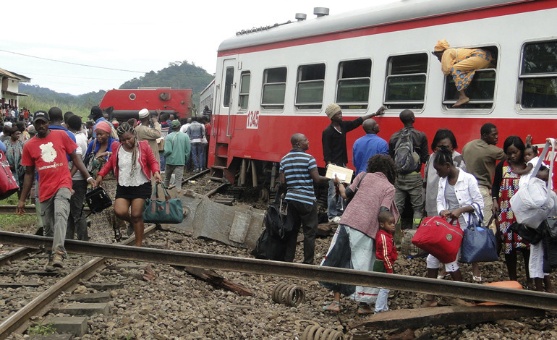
(404, 10)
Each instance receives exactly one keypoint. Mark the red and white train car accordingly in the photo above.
(278, 81)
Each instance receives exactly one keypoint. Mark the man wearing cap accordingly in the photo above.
(149, 132)
(47, 154)
(176, 150)
(410, 183)
(334, 151)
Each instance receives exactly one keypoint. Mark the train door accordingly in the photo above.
(225, 103)
(227, 93)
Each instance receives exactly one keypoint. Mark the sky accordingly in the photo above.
(79, 47)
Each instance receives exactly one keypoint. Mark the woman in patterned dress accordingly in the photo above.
(462, 64)
(505, 185)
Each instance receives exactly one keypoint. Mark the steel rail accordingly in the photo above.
(14, 255)
(415, 284)
(34, 307)
(29, 209)
(194, 176)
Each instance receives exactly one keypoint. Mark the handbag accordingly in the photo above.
(339, 256)
(169, 210)
(97, 200)
(348, 200)
(8, 183)
(528, 234)
(439, 238)
(479, 243)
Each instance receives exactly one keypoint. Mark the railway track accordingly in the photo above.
(18, 321)
(230, 317)
(521, 298)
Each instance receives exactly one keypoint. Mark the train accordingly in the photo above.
(276, 81)
(122, 104)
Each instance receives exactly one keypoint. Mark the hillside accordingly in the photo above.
(176, 75)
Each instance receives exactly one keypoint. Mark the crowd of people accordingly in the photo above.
(458, 187)
(57, 158)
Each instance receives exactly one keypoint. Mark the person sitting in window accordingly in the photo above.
(462, 64)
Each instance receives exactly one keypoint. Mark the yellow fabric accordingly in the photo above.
(441, 45)
(453, 56)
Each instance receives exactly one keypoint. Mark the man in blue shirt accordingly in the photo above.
(298, 171)
(368, 146)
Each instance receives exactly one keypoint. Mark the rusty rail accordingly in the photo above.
(415, 284)
(34, 307)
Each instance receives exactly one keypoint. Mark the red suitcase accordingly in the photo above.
(439, 237)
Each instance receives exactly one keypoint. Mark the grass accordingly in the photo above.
(42, 329)
(14, 222)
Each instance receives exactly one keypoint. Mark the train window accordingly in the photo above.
(406, 79)
(309, 87)
(244, 90)
(538, 75)
(481, 90)
(274, 86)
(228, 86)
(353, 84)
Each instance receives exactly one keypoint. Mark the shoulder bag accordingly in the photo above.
(169, 210)
(97, 200)
(479, 243)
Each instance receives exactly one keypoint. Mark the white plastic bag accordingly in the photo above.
(533, 203)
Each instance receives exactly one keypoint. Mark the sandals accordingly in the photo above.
(364, 309)
(333, 307)
(477, 278)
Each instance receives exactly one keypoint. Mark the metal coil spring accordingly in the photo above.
(314, 332)
(288, 294)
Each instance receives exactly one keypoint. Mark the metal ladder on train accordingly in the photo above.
(219, 170)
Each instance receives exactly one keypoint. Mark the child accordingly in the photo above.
(386, 255)
(531, 158)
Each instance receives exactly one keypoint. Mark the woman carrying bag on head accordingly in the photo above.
(133, 163)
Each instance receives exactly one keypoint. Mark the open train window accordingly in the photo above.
(354, 78)
(406, 80)
(309, 86)
(538, 75)
(244, 90)
(481, 90)
(274, 86)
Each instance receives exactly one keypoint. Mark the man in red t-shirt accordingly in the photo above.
(46, 152)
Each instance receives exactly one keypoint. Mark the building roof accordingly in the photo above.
(14, 75)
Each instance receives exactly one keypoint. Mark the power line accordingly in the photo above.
(68, 62)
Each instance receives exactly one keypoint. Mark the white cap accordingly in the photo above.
(144, 113)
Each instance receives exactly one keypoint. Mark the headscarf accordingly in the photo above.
(441, 45)
(104, 126)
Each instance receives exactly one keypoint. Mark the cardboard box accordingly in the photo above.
(343, 174)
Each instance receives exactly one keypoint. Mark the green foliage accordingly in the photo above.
(12, 222)
(42, 329)
(178, 75)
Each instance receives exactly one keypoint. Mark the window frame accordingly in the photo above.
(312, 105)
(340, 78)
(242, 95)
(524, 76)
(265, 84)
(405, 104)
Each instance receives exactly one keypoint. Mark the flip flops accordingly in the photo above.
(333, 307)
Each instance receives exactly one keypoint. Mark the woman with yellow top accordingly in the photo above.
(461, 63)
